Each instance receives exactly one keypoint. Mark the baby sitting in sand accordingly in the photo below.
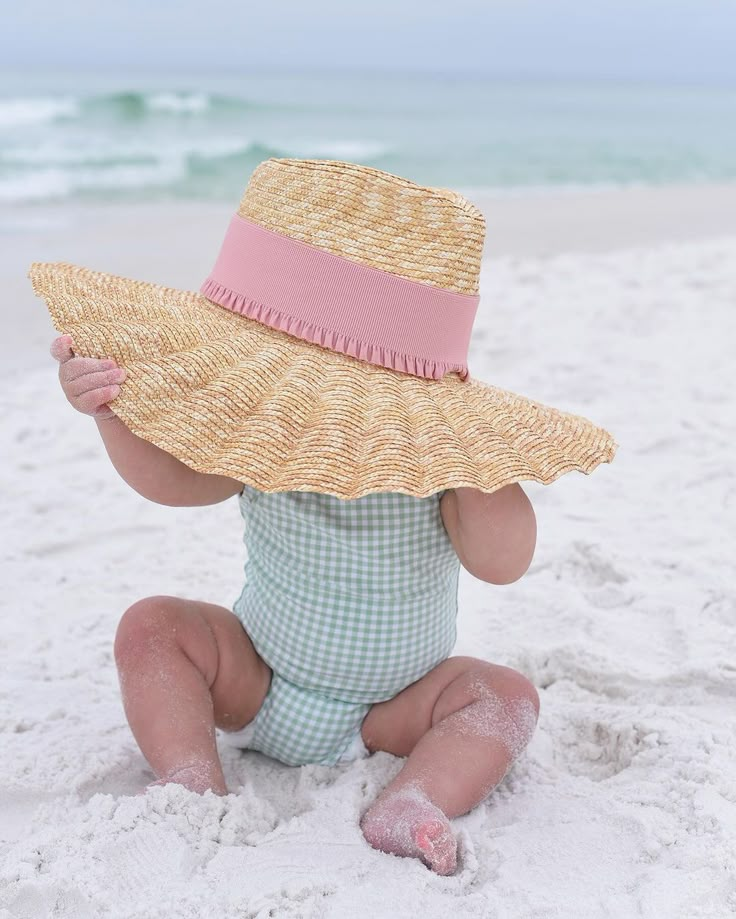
(324, 363)
(187, 667)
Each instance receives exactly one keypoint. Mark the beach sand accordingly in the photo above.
(620, 306)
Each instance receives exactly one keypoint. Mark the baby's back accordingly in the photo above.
(353, 598)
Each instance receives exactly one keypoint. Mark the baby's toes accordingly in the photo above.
(437, 843)
(406, 823)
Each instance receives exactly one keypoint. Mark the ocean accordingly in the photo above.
(102, 137)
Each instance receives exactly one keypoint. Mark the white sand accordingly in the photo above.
(624, 803)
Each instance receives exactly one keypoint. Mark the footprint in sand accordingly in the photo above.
(600, 746)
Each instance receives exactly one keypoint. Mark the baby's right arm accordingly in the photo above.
(89, 384)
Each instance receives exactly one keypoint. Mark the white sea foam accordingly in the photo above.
(178, 103)
(515, 139)
(19, 112)
(55, 183)
(106, 149)
(61, 167)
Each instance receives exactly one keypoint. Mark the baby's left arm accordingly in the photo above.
(493, 534)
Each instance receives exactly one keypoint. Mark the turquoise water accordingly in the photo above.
(92, 137)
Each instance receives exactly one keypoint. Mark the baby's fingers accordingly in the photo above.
(81, 366)
(72, 367)
(87, 382)
(94, 399)
(61, 348)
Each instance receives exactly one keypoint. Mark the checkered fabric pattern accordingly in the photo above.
(348, 602)
(298, 726)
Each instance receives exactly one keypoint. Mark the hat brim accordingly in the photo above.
(227, 395)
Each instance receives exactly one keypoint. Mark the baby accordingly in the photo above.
(348, 602)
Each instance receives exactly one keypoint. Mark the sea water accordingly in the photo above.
(86, 136)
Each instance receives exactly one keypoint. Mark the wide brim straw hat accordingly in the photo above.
(327, 350)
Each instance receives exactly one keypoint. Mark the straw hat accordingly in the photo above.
(327, 350)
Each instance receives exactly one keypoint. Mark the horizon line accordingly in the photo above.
(507, 76)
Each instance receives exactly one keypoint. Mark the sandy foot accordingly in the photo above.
(195, 777)
(407, 823)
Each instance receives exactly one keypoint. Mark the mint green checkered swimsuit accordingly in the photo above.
(348, 602)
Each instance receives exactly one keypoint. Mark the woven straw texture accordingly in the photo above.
(431, 235)
(227, 395)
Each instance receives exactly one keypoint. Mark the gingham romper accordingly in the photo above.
(348, 602)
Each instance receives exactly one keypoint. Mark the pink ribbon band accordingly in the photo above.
(341, 304)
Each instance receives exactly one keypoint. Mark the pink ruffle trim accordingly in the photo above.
(335, 341)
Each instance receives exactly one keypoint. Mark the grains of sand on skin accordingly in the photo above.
(406, 823)
(510, 721)
(196, 777)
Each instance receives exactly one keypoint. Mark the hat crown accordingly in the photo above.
(430, 235)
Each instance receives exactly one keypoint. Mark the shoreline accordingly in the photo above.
(527, 221)
(175, 243)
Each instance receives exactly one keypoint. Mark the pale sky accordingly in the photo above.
(680, 40)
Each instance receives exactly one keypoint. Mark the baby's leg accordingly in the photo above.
(184, 668)
(462, 726)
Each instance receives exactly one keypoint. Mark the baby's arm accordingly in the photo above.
(89, 384)
(493, 534)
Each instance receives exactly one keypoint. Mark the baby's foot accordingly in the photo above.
(197, 777)
(406, 823)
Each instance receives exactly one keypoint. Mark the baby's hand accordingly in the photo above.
(88, 383)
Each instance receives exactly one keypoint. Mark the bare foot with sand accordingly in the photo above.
(406, 823)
